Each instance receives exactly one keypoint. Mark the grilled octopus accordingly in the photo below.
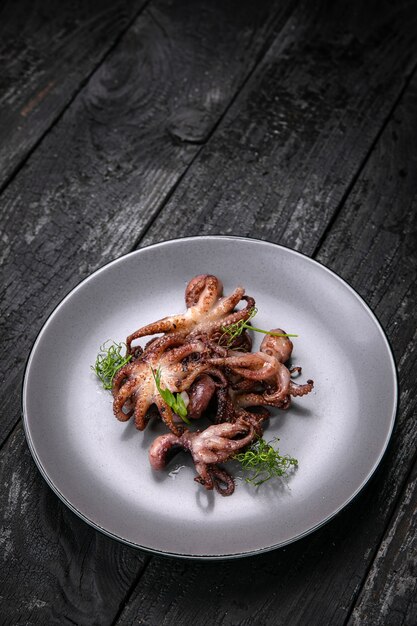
(216, 378)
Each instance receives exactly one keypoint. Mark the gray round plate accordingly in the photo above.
(99, 467)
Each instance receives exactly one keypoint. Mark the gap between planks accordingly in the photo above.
(261, 55)
(391, 518)
(66, 106)
(350, 187)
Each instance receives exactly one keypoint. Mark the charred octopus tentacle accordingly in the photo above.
(207, 312)
(136, 383)
(216, 444)
(278, 387)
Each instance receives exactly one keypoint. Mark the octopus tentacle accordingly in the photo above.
(123, 394)
(257, 399)
(142, 406)
(228, 303)
(300, 390)
(177, 354)
(159, 345)
(197, 369)
(244, 364)
(245, 385)
(225, 409)
(266, 371)
(237, 316)
(282, 383)
(280, 347)
(161, 450)
(203, 475)
(218, 440)
(215, 348)
(255, 419)
(243, 343)
(168, 416)
(244, 400)
(171, 324)
(122, 373)
(202, 291)
(220, 476)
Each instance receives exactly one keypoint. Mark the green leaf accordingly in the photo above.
(263, 462)
(108, 362)
(176, 402)
(180, 407)
(232, 331)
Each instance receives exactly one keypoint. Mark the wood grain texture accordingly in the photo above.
(390, 593)
(317, 580)
(100, 175)
(95, 184)
(47, 51)
(54, 568)
(288, 150)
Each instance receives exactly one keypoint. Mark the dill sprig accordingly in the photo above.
(232, 331)
(108, 362)
(175, 401)
(264, 462)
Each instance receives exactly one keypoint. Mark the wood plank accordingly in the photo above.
(47, 50)
(54, 568)
(390, 593)
(290, 147)
(99, 177)
(317, 580)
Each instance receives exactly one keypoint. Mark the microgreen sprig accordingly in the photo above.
(108, 362)
(175, 401)
(232, 331)
(264, 462)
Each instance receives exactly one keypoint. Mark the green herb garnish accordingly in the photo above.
(235, 330)
(263, 462)
(109, 361)
(175, 401)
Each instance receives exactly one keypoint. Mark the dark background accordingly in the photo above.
(126, 122)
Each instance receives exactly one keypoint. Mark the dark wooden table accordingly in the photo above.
(127, 122)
